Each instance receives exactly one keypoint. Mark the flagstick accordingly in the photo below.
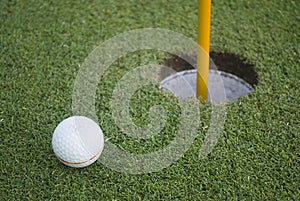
(204, 7)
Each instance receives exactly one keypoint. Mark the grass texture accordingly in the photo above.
(43, 44)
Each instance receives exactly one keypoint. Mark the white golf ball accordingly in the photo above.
(77, 141)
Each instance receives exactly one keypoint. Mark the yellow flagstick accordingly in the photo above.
(204, 7)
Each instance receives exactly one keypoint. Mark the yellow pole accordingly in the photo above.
(204, 7)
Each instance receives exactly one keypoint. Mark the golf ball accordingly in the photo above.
(77, 141)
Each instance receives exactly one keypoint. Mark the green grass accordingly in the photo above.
(43, 43)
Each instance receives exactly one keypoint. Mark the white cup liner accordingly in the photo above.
(222, 86)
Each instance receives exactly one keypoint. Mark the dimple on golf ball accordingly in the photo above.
(77, 141)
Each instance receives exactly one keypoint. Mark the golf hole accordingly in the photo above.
(238, 77)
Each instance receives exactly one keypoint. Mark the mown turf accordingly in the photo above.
(43, 43)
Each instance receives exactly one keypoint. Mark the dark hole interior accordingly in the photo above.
(227, 62)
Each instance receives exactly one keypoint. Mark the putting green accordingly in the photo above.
(44, 43)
